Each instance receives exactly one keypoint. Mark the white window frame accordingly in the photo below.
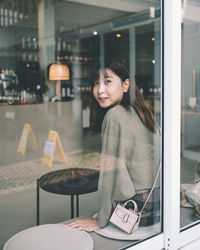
(172, 97)
(172, 238)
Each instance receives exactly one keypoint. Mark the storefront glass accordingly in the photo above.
(190, 116)
(47, 55)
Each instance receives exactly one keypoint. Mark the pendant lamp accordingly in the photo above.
(59, 72)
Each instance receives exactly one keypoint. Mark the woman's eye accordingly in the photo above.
(107, 81)
(96, 82)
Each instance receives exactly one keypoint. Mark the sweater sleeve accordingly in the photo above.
(115, 183)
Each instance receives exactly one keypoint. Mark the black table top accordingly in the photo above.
(70, 181)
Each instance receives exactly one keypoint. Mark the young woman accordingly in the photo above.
(130, 145)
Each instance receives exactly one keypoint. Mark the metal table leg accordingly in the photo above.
(72, 206)
(38, 204)
(77, 205)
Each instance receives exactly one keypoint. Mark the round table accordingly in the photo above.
(50, 237)
(70, 181)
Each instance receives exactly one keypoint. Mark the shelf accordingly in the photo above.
(28, 50)
(27, 61)
(80, 77)
(74, 63)
(193, 149)
(73, 51)
(192, 153)
(81, 90)
(190, 112)
(20, 49)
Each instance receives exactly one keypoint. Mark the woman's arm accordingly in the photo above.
(115, 183)
(88, 224)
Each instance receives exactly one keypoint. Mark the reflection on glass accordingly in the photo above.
(49, 124)
(190, 117)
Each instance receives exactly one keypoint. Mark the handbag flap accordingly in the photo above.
(126, 215)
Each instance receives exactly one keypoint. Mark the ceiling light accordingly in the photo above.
(95, 33)
(118, 35)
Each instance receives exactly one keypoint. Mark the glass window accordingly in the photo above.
(80, 112)
(190, 116)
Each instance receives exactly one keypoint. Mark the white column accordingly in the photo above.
(46, 24)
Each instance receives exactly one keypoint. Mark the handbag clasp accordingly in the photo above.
(125, 217)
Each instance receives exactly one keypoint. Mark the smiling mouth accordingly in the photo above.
(103, 99)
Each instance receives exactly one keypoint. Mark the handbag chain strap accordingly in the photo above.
(154, 183)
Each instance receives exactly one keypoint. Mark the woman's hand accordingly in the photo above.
(88, 224)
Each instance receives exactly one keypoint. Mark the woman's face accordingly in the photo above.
(108, 90)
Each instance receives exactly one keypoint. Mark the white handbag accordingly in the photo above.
(127, 220)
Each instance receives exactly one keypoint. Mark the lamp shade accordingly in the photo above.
(58, 72)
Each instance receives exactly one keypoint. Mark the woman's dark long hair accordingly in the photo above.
(132, 98)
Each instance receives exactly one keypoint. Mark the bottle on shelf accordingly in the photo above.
(23, 42)
(30, 57)
(35, 43)
(11, 17)
(5, 17)
(63, 45)
(69, 46)
(58, 44)
(2, 17)
(24, 56)
(15, 16)
(28, 42)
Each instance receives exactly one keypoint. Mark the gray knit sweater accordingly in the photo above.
(129, 159)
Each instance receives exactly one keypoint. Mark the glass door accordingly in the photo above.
(55, 117)
(190, 117)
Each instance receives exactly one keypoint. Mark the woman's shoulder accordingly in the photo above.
(116, 111)
(120, 114)
(113, 117)
(119, 117)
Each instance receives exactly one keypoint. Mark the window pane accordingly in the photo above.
(190, 116)
(80, 111)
